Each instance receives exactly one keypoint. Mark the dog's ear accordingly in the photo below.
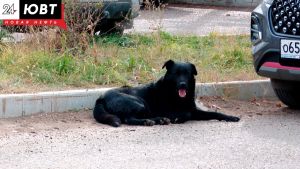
(168, 64)
(194, 70)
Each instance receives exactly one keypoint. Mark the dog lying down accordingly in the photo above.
(169, 100)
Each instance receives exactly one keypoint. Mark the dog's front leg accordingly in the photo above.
(147, 122)
(210, 115)
(180, 117)
(161, 120)
(140, 122)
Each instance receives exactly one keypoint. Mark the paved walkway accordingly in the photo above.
(195, 21)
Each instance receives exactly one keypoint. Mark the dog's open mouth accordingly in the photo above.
(182, 93)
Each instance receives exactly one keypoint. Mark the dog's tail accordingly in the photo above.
(102, 116)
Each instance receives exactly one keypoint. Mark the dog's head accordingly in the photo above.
(180, 78)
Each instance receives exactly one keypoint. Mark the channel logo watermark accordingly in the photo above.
(32, 13)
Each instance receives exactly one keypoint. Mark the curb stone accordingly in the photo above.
(239, 90)
(17, 105)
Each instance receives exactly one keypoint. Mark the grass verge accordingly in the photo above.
(122, 60)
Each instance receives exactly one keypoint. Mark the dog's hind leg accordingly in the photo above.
(102, 116)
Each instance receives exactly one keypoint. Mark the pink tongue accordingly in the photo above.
(182, 92)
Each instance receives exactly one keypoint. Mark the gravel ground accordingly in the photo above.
(266, 137)
(194, 21)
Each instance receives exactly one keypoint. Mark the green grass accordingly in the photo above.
(125, 60)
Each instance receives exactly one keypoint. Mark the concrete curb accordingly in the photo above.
(239, 90)
(16, 105)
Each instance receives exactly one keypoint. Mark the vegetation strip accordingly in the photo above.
(56, 60)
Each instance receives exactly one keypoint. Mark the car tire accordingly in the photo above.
(288, 92)
(109, 27)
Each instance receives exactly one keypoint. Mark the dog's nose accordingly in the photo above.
(182, 85)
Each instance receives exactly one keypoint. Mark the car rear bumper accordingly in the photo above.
(275, 70)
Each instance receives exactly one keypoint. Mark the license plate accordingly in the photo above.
(290, 49)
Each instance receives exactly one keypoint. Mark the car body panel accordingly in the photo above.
(117, 9)
(266, 52)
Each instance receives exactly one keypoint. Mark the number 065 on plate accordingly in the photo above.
(290, 49)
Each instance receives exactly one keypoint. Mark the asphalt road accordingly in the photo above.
(194, 21)
(266, 137)
(198, 21)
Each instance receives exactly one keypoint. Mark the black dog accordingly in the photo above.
(170, 99)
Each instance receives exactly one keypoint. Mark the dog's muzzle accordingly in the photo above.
(182, 90)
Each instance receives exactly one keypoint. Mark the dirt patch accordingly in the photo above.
(252, 108)
(46, 121)
(84, 119)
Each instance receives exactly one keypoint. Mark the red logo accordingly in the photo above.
(32, 13)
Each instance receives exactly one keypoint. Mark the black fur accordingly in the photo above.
(170, 99)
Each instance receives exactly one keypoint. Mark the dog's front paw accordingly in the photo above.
(164, 121)
(115, 124)
(232, 119)
(149, 122)
(174, 120)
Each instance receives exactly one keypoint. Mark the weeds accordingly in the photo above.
(125, 60)
(3, 34)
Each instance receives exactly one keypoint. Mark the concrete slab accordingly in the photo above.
(11, 106)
